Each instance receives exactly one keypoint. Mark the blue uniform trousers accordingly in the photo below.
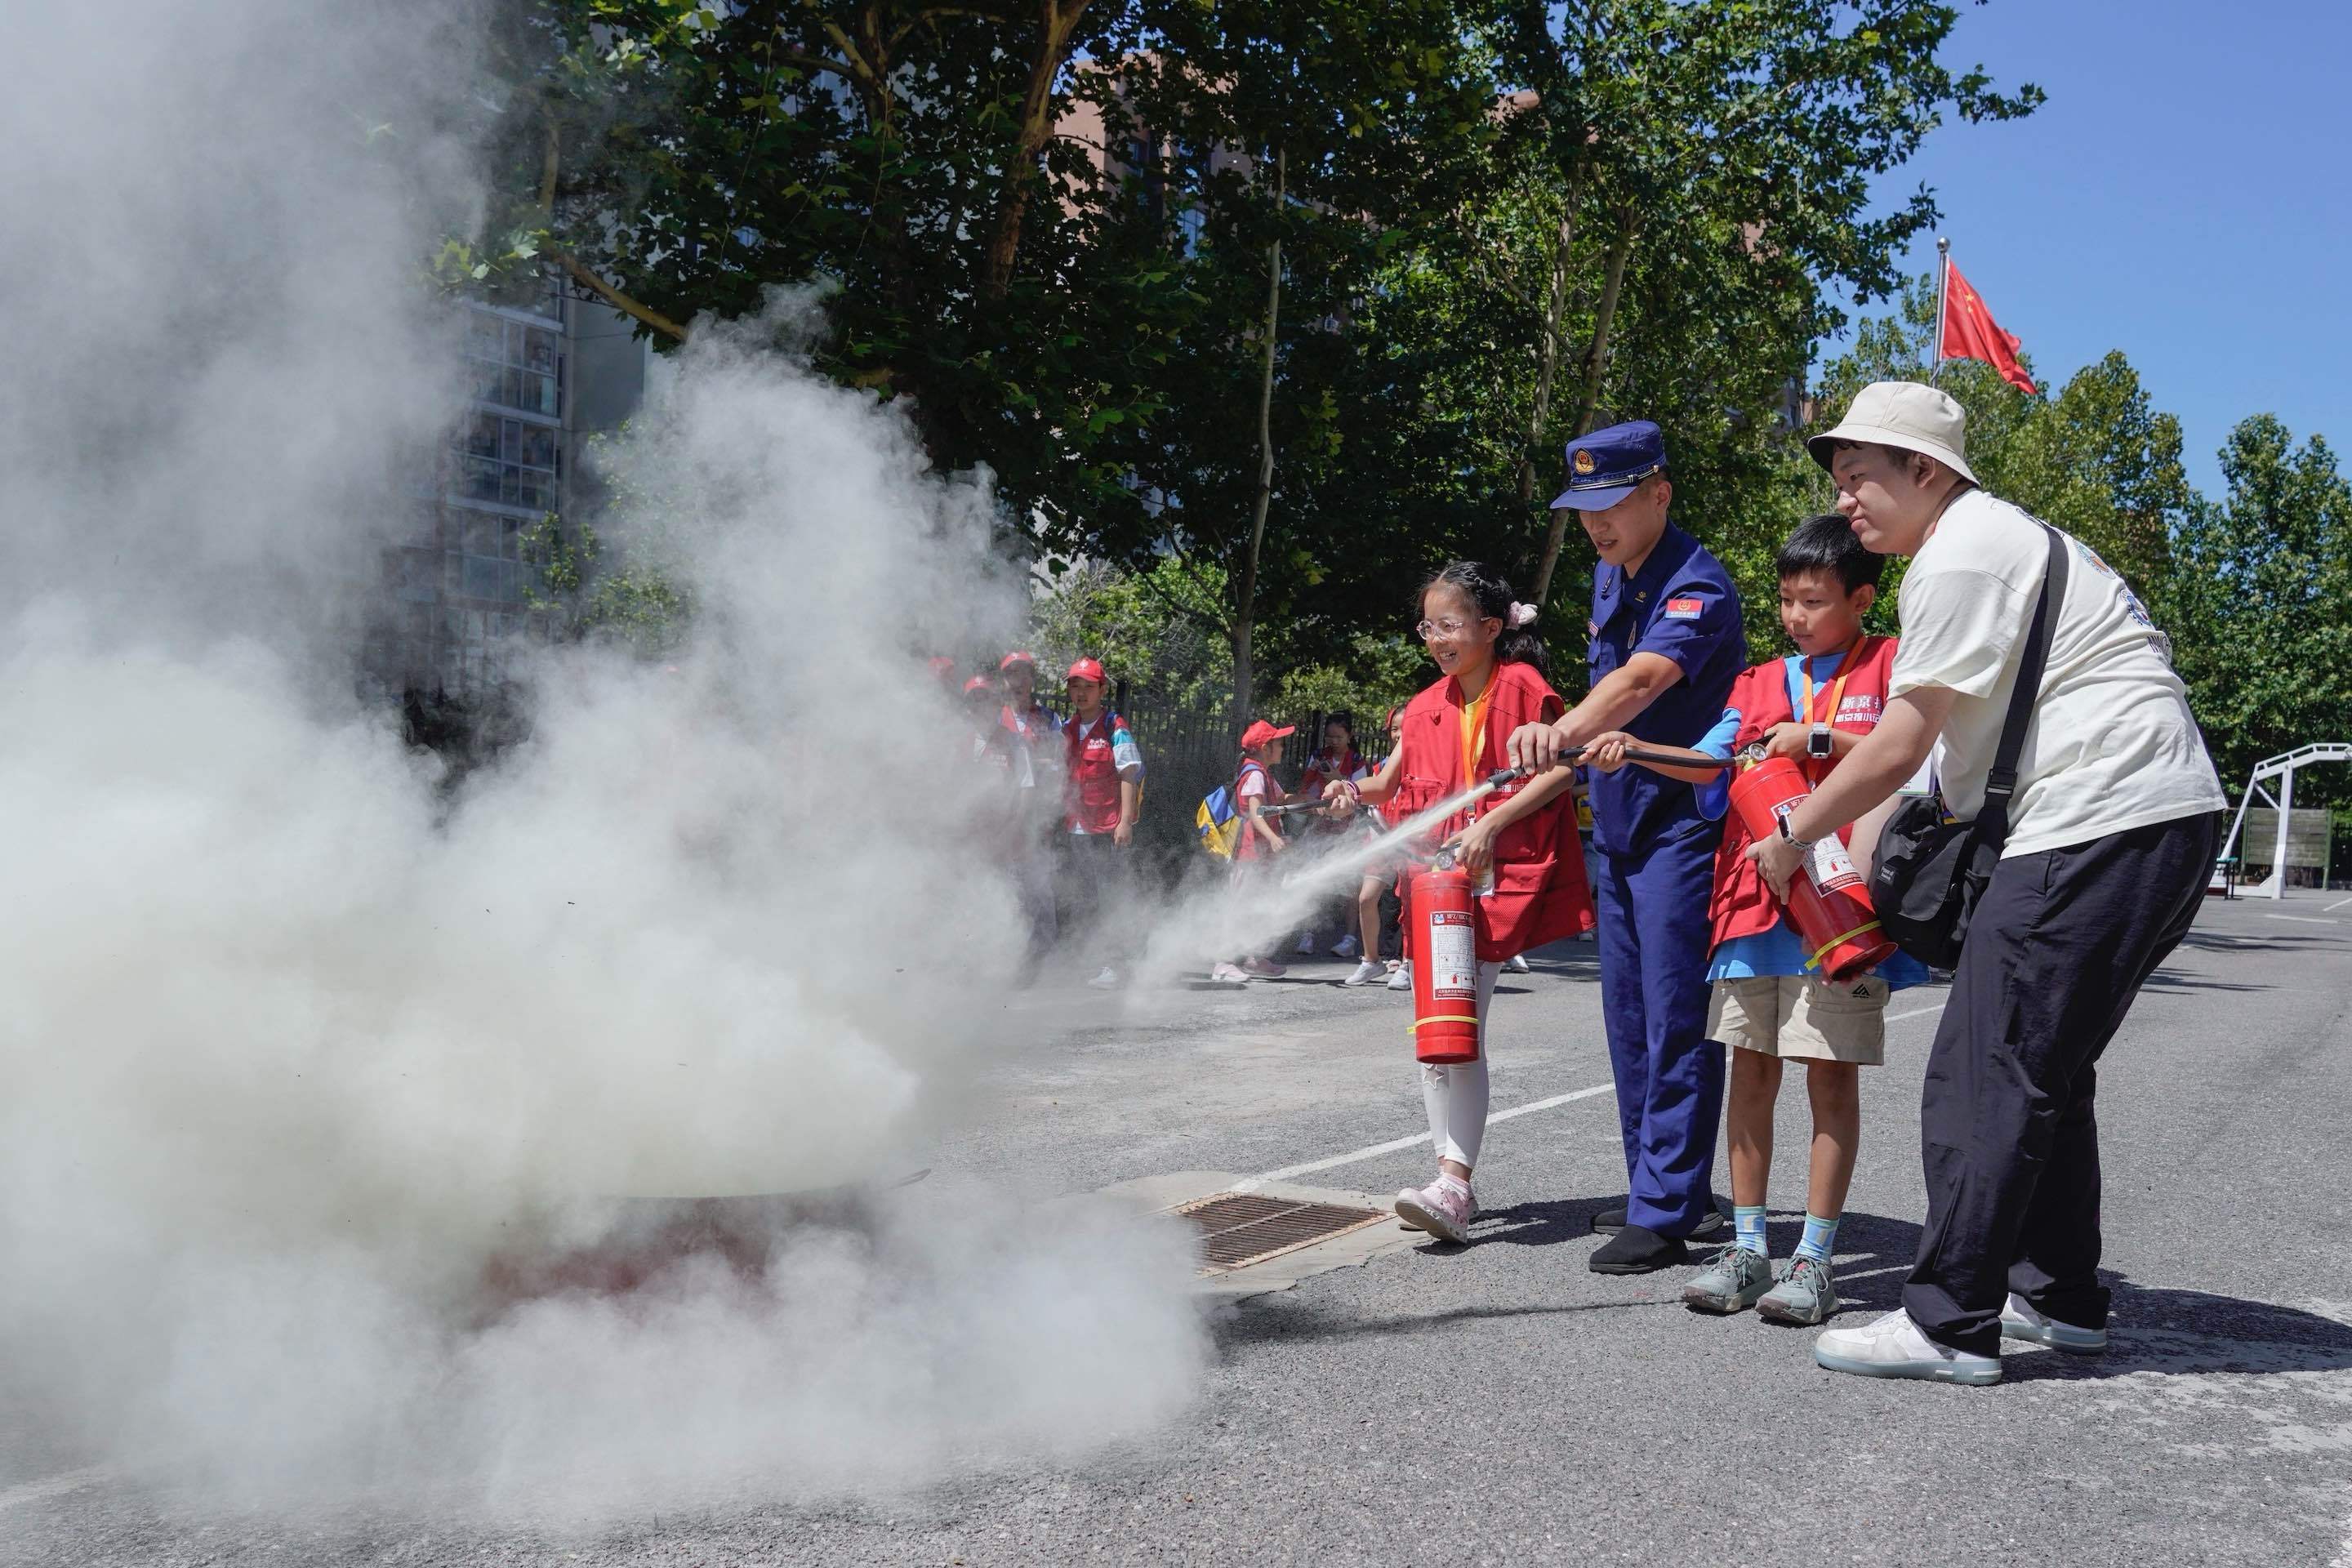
(1654, 939)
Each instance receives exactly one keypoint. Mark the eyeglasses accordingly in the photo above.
(1451, 626)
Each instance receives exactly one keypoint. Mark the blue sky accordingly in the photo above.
(2184, 196)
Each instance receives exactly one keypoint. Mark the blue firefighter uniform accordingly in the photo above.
(1655, 847)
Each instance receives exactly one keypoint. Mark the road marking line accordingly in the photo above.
(1421, 1140)
(2303, 920)
(2335, 905)
(55, 1486)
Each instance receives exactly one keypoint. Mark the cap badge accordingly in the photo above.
(1582, 462)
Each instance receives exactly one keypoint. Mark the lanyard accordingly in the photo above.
(1845, 669)
(1474, 730)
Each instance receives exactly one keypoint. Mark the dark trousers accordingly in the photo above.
(1653, 936)
(2057, 950)
(1100, 888)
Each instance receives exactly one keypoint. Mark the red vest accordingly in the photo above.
(1741, 905)
(1092, 775)
(1540, 893)
(1323, 767)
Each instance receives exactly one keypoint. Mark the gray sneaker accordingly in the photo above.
(1805, 1296)
(1732, 1281)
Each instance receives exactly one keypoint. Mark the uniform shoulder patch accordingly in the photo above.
(1685, 609)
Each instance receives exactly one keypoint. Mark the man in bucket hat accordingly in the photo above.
(2113, 819)
(1666, 643)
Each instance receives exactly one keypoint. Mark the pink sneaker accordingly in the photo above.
(1444, 1209)
(1265, 967)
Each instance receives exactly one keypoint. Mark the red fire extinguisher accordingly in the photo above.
(1828, 904)
(1444, 948)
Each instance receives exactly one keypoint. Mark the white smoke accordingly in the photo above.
(307, 1048)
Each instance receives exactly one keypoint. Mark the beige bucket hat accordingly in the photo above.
(1906, 414)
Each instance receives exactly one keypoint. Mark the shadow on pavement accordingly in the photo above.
(1274, 1328)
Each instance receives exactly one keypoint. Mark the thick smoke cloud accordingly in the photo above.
(311, 1054)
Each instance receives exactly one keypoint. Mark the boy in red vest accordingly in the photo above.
(1102, 790)
(1810, 706)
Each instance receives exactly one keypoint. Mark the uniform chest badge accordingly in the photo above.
(1684, 609)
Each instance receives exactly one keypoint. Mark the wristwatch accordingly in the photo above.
(1817, 744)
(1783, 824)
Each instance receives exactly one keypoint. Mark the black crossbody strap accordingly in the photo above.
(2002, 782)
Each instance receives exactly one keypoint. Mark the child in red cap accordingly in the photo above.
(1254, 789)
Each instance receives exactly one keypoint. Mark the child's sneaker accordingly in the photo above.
(1732, 1282)
(1400, 977)
(1366, 972)
(1806, 1295)
(1518, 964)
(1344, 948)
(1444, 1209)
(1228, 975)
(1265, 967)
(1307, 944)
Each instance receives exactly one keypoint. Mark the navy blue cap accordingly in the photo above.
(1604, 465)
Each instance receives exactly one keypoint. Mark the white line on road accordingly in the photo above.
(2335, 905)
(1417, 1139)
(2303, 920)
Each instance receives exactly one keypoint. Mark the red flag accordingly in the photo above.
(1970, 332)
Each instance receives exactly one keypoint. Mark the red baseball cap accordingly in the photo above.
(1088, 670)
(979, 683)
(1010, 659)
(1260, 732)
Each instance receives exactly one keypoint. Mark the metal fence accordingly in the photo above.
(1189, 749)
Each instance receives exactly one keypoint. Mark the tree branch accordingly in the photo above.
(1036, 130)
(1596, 363)
(595, 285)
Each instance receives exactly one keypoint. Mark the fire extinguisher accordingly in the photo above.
(1828, 905)
(1444, 948)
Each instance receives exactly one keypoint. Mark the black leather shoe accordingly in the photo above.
(1609, 1222)
(1638, 1250)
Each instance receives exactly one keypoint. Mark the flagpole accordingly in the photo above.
(1943, 281)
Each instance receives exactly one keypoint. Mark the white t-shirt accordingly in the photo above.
(2112, 745)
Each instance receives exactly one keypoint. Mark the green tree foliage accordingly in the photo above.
(1302, 295)
(2256, 604)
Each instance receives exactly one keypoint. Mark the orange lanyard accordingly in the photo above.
(1845, 669)
(1474, 730)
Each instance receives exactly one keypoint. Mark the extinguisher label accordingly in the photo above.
(1827, 865)
(1830, 867)
(1453, 956)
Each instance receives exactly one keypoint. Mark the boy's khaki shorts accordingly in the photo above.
(1803, 1017)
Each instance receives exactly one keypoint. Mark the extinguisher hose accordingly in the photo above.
(1575, 754)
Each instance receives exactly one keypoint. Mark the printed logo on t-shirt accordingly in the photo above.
(1684, 609)
(2157, 638)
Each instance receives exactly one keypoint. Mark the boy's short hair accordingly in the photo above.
(1826, 544)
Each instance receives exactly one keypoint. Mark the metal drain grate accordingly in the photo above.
(1241, 1228)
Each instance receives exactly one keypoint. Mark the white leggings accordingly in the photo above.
(1455, 1096)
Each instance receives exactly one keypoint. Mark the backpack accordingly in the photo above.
(1218, 820)
(1217, 823)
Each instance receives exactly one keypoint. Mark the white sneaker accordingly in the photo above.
(1307, 944)
(2020, 1320)
(1518, 964)
(1894, 1347)
(1344, 948)
(1228, 975)
(1106, 980)
(1400, 977)
(1366, 972)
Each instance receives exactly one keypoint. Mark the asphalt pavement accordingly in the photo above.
(1501, 1404)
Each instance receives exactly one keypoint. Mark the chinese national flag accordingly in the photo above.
(1970, 332)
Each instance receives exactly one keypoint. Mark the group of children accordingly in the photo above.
(1765, 1002)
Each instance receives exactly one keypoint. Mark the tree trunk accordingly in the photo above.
(1596, 365)
(1547, 357)
(1245, 590)
(1060, 22)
